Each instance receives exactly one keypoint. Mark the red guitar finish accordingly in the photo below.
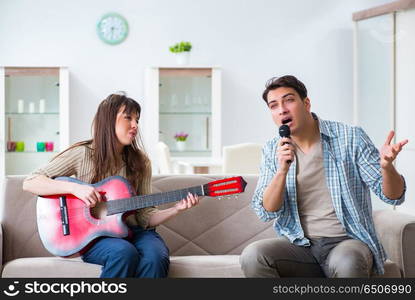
(67, 227)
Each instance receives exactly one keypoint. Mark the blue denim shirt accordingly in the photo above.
(352, 167)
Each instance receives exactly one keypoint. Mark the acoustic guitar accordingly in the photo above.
(67, 227)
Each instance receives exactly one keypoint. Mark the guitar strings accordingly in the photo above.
(128, 202)
(74, 211)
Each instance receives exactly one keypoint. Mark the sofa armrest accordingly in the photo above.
(396, 232)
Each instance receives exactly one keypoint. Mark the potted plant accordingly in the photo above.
(182, 52)
(181, 138)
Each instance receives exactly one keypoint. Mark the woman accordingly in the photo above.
(114, 150)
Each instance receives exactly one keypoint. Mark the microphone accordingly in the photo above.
(285, 131)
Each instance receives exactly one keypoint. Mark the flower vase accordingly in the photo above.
(183, 58)
(181, 146)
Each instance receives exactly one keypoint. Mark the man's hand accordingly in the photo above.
(285, 153)
(389, 152)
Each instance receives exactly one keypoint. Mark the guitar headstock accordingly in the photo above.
(227, 186)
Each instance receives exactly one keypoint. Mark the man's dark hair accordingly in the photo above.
(285, 81)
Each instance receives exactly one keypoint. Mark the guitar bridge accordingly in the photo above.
(64, 215)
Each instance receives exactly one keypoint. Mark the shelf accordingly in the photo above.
(196, 153)
(184, 99)
(30, 114)
(177, 151)
(185, 113)
(35, 108)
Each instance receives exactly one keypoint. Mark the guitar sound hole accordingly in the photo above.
(99, 211)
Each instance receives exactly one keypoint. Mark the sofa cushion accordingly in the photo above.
(180, 266)
(20, 235)
(205, 266)
(193, 266)
(50, 267)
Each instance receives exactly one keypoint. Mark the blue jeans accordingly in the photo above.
(145, 255)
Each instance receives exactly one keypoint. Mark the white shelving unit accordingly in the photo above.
(34, 107)
(183, 99)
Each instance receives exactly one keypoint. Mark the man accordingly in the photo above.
(315, 185)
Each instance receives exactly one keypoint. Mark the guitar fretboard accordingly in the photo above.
(136, 202)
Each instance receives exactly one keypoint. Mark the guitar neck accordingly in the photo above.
(137, 202)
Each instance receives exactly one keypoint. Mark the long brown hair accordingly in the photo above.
(105, 157)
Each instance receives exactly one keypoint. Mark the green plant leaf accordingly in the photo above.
(180, 47)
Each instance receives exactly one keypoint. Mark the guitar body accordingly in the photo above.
(85, 224)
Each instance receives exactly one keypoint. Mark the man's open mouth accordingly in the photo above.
(286, 121)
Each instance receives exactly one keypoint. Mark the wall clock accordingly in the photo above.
(112, 28)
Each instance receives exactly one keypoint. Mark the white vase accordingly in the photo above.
(181, 145)
(183, 58)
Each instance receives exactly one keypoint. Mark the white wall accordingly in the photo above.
(405, 105)
(252, 40)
